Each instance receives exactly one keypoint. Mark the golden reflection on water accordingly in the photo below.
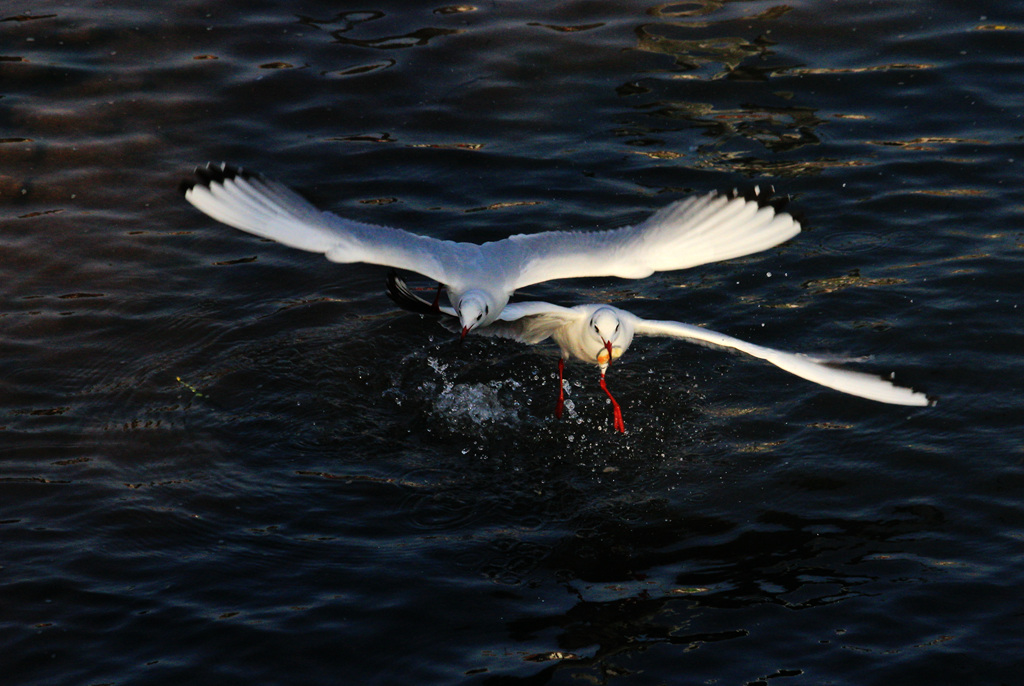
(694, 54)
(849, 280)
(929, 142)
(899, 66)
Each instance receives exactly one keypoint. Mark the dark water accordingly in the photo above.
(223, 461)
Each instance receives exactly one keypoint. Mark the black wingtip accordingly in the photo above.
(213, 173)
(930, 400)
(764, 196)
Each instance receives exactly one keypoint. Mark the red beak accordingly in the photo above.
(465, 330)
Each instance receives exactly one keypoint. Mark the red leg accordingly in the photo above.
(620, 425)
(561, 389)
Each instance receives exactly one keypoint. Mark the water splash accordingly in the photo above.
(475, 403)
(467, 405)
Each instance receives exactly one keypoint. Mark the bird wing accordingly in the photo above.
(813, 369)
(687, 233)
(258, 205)
(526, 322)
(531, 322)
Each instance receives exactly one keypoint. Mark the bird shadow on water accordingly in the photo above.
(666, 586)
(612, 529)
(620, 533)
(478, 416)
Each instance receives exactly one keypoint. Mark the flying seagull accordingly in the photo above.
(600, 334)
(480, 278)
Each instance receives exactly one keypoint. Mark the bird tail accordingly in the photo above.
(402, 295)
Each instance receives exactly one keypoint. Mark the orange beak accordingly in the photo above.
(604, 358)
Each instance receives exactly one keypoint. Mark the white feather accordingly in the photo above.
(807, 367)
(685, 234)
(573, 330)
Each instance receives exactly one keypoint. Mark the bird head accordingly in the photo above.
(606, 325)
(475, 310)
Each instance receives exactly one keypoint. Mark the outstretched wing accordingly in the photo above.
(258, 205)
(817, 370)
(687, 233)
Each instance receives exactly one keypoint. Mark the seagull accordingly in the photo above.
(600, 334)
(480, 278)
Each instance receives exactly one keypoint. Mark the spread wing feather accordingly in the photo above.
(807, 367)
(690, 232)
(266, 208)
(687, 233)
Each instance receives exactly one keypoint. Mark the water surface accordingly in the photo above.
(225, 461)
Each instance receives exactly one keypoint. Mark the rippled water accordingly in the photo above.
(224, 461)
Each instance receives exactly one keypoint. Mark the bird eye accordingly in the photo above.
(616, 327)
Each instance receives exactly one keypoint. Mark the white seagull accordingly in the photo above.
(600, 334)
(480, 278)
